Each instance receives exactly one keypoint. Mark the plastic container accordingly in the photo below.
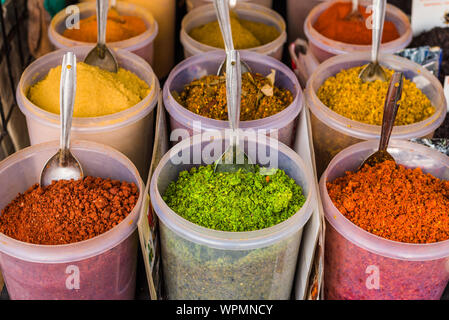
(129, 131)
(297, 12)
(360, 265)
(248, 11)
(333, 132)
(284, 122)
(142, 45)
(201, 263)
(105, 265)
(324, 48)
(192, 4)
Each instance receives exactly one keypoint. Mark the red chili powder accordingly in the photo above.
(394, 202)
(332, 24)
(68, 211)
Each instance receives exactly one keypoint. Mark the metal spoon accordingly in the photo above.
(355, 14)
(234, 158)
(63, 165)
(373, 71)
(390, 110)
(222, 11)
(101, 56)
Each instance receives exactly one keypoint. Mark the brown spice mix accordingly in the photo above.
(259, 97)
(394, 202)
(68, 211)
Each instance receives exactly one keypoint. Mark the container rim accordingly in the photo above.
(133, 43)
(368, 241)
(83, 249)
(228, 240)
(366, 131)
(206, 9)
(338, 47)
(281, 118)
(87, 124)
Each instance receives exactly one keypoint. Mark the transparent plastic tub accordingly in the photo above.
(283, 123)
(142, 45)
(201, 263)
(129, 131)
(248, 11)
(105, 265)
(360, 265)
(192, 4)
(324, 48)
(333, 132)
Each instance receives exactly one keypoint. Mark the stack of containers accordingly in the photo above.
(129, 131)
(201, 263)
(200, 65)
(333, 132)
(361, 265)
(248, 11)
(324, 48)
(142, 45)
(105, 265)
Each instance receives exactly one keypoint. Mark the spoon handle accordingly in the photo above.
(222, 10)
(378, 26)
(102, 17)
(355, 5)
(394, 94)
(67, 101)
(233, 87)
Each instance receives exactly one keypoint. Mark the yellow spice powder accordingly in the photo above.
(98, 92)
(245, 34)
(348, 96)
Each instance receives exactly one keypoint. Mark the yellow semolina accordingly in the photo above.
(98, 92)
(348, 96)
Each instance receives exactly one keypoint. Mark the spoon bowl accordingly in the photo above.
(63, 165)
(100, 55)
(394, 94)
(355, 14)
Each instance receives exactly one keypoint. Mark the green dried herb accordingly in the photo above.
(239, 201)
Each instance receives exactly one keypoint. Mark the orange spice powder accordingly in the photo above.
(333, 25)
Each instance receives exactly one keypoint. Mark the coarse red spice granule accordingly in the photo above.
(68, 211)
(394, 202)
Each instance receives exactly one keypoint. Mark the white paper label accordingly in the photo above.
(427, 14)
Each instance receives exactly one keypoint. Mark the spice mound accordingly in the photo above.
(348, 96)
(68, 211)
(245, 34)
(260, 98)
(118, 28)
(394, 202)
(98, 92)
(240, 201)
(333, 25)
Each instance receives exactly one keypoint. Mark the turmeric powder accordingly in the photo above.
(118, 28)
(245, 34)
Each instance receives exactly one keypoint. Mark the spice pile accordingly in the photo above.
(68, 211)
(394, 202)
(118, 28)
(348, 96)
(245, 34)
(333, 25)
(98, 92)
(240, 201)
(260, 98)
